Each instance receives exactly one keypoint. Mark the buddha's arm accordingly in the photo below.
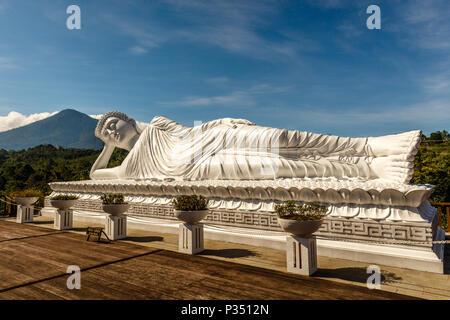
(231, 122)
(99, 168)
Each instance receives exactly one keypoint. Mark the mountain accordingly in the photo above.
(68, 128)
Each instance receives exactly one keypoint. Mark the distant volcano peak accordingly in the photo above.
(68, 128)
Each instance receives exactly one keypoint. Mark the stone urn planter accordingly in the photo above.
(191, 217)
(190, 209)
(63, 204)
(26, 201)
(115, 221)
(116, 209)
(301, 228)
(300, 222)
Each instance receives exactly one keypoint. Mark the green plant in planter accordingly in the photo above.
(26, 193)
(64, 197)
(190, 203)
(291, 210)
(113, 198)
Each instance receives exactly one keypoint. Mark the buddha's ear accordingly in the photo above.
(140, 126)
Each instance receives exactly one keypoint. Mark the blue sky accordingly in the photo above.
(307, 65)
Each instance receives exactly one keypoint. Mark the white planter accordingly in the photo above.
(191, 216)
(63, 204)
(302, 228)
(26, 201)
(115, 209)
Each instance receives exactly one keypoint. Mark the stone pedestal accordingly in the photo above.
(116, 227)
(63, 219)
(301, 255)
(24, 214)
(190, 239)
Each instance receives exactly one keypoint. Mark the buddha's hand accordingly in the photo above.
(235, 123)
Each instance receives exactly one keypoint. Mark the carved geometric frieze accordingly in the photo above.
(349, 229)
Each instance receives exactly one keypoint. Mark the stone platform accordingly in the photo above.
(390, 224)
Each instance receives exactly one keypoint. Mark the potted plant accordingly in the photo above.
(63, 202)
(26, 197)
(114, 204)
(300, 220)
(190, 209)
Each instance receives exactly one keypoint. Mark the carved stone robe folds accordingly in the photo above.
(218, 151)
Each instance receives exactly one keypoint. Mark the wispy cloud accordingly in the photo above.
(234, 26)
(138, 50)
(16, 119)
(425, 23)
(329, 4)
(235, 98)
(420, 114)
(8, 64)
(217, 80)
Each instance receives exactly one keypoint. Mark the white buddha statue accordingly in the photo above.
(237, 149)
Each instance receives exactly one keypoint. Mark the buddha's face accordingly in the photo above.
(119, 133)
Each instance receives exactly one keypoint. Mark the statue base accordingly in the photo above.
(24, 214)
(301, 255)
(190, 238)
(63, 219)
(374, 222)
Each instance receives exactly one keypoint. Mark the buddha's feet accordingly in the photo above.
(397, 168)
(406, 143)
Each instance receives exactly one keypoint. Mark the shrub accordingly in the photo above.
(64, 197)
(190, 203)
(291, 210)
(26, 193)
(113, 198)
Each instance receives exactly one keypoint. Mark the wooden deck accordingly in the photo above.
(34, 260)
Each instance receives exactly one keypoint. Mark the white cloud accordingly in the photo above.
(96, 116)
(138, 50)
(425, 23)
(425, 113)
(7, 64)
(230, 25)
(15, 119)
(217, 80)
(235, 98)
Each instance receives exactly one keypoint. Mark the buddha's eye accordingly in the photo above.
(112, 126)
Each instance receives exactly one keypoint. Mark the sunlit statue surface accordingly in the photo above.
(237, 149)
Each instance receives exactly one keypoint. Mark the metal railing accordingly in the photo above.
(443, 214)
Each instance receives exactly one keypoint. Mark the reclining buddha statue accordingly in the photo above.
(237, 149)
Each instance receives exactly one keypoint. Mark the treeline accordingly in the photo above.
(432, 165)
(36, 167)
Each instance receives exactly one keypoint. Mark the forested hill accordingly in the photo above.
(36, 167)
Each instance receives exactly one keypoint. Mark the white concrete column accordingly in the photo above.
(190, 239)
(301, 255)
(24, 214)
(63, 219)
(116, 227)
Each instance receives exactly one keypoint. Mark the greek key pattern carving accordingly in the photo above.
(343, 228)
(369, 230)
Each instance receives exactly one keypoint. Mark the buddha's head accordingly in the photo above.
(116, 128)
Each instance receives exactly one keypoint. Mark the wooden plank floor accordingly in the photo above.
(34, 260)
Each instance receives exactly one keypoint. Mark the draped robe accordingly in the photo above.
(217, 151)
